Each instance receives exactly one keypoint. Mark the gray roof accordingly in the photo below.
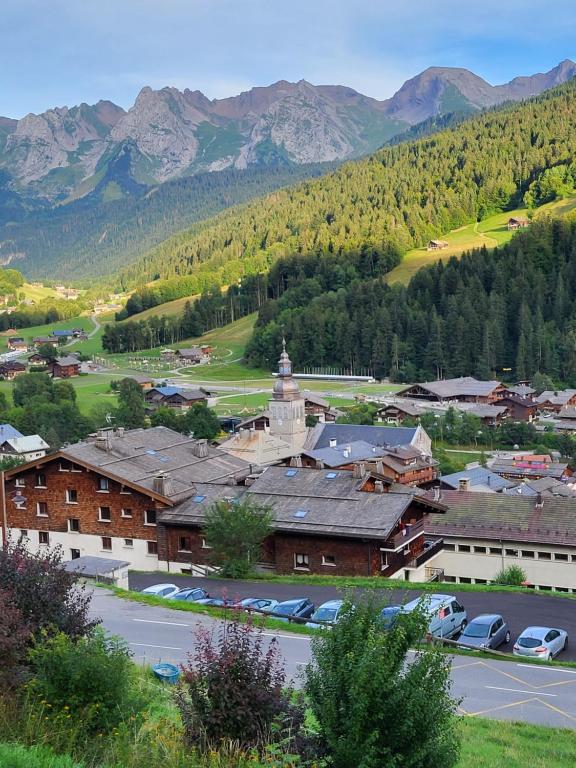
(316, 399)
(547, 486)
(519, 468)
(556, 397)
(191, 511)
(345, 453)
(67, 360)
(462, 386)
(94, 566)
(482, 410)
(523, 390)
(569, 412)
(352, 433)
(140, 454)
(477, 476)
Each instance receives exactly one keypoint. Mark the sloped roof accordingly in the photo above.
(522, 390)
(382, 436)
(556, 397)
(8, 432)
(27, 444)
(67, 360)
(462, 386)
(482, 410)
(187, 394)
(477, 476)
(345, 453)
(520, 468)
(498, 516)
(547, 486)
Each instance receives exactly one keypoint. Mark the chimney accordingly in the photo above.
(120, 432)
(333, 442)
(250, 480)
(200, 449)
(162, 484)
(464, 484)
(379, 468)
(359, 470)
(318, 464)
(378, 486)
(103, 440)
(296, 461)
(539, 501)
(437, 493)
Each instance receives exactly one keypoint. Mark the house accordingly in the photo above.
(10, 369)
(464, 389)
(25, 447)
(338, 435)
(530, 467)
(489, 415)
(174, 397)
(436, 245)
(102, 496)
(143, 381)
(37, 359)
(64, 334)
(519, 408)
(192, 356)
(324, 522)
(17, 343)
(64, 367)
(554, 401)
(520, 390)
(39, 341)
(482, 533)
(545, 486)
(476, 480)
(398, 412)
(516, 222)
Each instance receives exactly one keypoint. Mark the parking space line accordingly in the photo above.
(469, 664)
(517, 690)
(503, 706)
(548, 669)
(164, 647)
(167, 623)
(512, 677)
(556, 709)
(288, 637)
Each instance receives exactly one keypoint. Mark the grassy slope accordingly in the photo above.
(489, 232)
(37, 292)
(168, 309)
(45, 330)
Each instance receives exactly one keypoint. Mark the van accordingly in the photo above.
(447, 617)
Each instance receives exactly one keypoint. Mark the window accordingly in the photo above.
(74, 525)
(184, 544)
(328, 560)
(291, 472)
(106, 543)
(43, 537)
(561, 556)
(511, 552)
(449, 547)
(383, 560)
(74, 554)
(129, 543)
(65, 465)
(544, 556)
(198, 499)
(102, 484)
(23, 533)
(40, 480)
(205, 545)
(104, 514)
(480, 550)
(528, 553)
(20, 482)
(124, 489)
(150, 517)
(126, 512)
(301, 561)
(463, 548)
(495, 550)
(41, 509)
(152, 547)
(71, 496)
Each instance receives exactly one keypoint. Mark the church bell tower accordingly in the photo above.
(286, 407)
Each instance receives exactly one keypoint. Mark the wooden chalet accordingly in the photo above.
(465, 389)
(517, 222)
(64, 367)
(174, 397)
(10, 369)
(17, 343)
(519, 408)
(436, 245)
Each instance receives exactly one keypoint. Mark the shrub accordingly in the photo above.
(232, 689)
(513, 576)
(18, 756)
(236, 532)
(91, 679)
(375, 704)
(46, 595)
(14, 637)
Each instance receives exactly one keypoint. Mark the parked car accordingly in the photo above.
(328, 611)
(191, 595)
(447, 616)
(258, 603)
(389, 615)
(161, 590)
(219, 602)
(489, 630)
(300, 607)
(541, 643)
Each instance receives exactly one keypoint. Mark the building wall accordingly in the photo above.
(545, 566)
(352, 557)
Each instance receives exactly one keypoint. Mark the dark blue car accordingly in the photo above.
(191, 595)
(299, 608)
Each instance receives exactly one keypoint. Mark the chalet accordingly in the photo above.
(516, 222)
(519, 408)
(555, 401)
(377, 437)
(398, 412)
(520, 390)
(323, 522)
(10, 369)
(25, 447)
(64, 367)
(482, 533)
(62, 334)
(37, 359)
(174, 397)
(476, 480)
(143, 381)
(490, 415)
(17, 343)
(436, 245)
(465, 389)
(39, 341)
(192, 355)
(530, 467)
(102, 496)
(545, 486)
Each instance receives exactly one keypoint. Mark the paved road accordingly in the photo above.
(519, 610)
(499, 689)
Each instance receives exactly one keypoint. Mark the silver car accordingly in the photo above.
(489, 630)
(541, 643)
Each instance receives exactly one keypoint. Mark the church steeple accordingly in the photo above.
(285, 388)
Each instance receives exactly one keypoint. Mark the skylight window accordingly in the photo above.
(291, 472)
(151, 452)
(331, 475)
(301, 513)
(198, 499)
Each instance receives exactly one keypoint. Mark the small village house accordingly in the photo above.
(436, 245)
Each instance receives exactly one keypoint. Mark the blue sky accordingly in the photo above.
(62, 52)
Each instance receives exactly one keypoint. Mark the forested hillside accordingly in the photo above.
(513, 308)
(401, 196)
(92, 238)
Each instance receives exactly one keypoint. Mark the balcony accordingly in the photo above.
(429, 552)
(407, 535)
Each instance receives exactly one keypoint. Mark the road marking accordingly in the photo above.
(168, 623)
(172, 648)
(555, 709)
(517, 690)
(503, 706)
(548, 669)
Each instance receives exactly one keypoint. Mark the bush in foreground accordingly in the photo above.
(513, 576)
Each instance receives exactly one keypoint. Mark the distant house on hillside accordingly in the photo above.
(39, 341)
(10, 369)
(26, 447)
(62, 334)
(65, 367)
(465, 389)
(436, 245)
(516, 222)
(173, 397)
(17, 343)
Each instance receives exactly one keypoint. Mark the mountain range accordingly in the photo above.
(67, 153)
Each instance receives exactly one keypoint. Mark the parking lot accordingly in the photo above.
(519, 610)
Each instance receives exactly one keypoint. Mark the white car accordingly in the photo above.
(541, 643)
(161, 590)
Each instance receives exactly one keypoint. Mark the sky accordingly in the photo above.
(63, 52)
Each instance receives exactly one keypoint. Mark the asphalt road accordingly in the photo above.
(504, 690)
(519, 610)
